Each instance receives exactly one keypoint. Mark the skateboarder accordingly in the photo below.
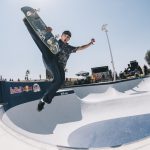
(55, 53)
(56, 66)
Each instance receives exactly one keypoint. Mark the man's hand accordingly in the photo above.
(49, 29)
(92, 41)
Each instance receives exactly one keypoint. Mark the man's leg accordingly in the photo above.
(59, 77)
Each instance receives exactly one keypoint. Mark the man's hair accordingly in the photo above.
(67, 33)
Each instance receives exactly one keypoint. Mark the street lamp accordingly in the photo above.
(112, 61)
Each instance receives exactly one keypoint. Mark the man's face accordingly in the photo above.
(65, 38)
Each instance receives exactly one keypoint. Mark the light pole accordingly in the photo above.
(112, 61)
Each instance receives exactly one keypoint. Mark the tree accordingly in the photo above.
(147, 57)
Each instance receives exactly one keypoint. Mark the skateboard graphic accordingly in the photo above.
(40, 29)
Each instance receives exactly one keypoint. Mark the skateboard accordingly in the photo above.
(40, 29)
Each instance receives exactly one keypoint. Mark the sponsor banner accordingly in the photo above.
(21, 89)
(15, 90)
(36, 88)
(16, 93)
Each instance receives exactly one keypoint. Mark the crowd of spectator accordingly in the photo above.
(135, 71)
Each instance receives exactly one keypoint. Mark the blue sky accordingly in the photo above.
(128, 25)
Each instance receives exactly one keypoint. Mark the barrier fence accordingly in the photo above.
(15, 93)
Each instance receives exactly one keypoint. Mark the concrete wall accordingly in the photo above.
(121, 86)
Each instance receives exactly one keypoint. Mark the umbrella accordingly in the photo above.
(82, 73)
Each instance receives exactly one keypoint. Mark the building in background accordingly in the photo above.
(100, 74)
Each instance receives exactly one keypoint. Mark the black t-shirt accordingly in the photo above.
(65, 51)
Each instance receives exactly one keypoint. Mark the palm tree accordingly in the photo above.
(147, 57)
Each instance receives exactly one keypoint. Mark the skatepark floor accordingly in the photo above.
(106, 120)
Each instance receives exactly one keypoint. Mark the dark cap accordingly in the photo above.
(67, 32)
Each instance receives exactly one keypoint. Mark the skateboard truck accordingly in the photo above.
(54, 47)
(52, 40)
(29, 13)
(37, 10)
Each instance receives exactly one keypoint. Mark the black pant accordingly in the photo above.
(51, 64)
(58, 75)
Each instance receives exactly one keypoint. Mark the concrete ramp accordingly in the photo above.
(142, 87)
(112, 132)
(63, 109)
(25, 119)
(120, 85)
(107, 120)
(144, 84)
(113, 119)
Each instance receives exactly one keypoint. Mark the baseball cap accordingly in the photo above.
(67, 32)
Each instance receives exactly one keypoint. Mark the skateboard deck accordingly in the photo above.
(40, 29)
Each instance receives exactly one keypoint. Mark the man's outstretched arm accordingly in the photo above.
(86, 45)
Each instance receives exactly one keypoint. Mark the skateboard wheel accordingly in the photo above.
(49, 41)
(29, 13)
